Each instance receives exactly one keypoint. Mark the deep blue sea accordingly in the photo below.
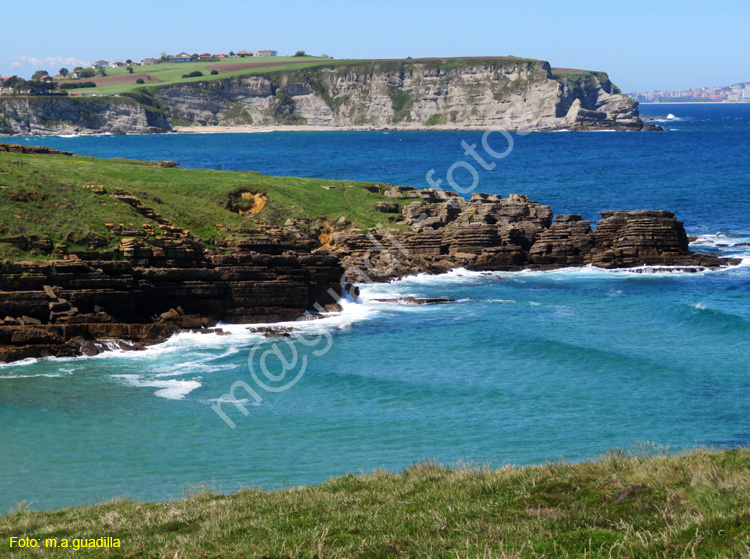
(524, 368)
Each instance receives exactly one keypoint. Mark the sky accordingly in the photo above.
(644, 46)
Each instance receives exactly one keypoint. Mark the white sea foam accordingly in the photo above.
(191, 368)
(172, 389)
(20, 363)
(671, 118)
(457, 276)
(34, 360)
(243, 401)
(46, 375)
(722, 240)
(235, 338)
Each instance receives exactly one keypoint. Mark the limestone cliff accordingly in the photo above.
(499, 93)
(57, 115)
(484, 93)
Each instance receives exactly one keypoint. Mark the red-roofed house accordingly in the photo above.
(244, 53)
(206, 56)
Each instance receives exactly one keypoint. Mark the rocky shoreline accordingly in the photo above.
(87, 302)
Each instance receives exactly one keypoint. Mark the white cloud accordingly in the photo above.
(49, 63)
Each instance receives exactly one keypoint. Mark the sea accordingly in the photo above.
(523, 368)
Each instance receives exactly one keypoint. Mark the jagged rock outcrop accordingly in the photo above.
(493, 233)
(500, 93)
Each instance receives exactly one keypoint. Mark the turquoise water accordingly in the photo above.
(524, 367)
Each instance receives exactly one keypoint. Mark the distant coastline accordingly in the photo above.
(693, 103)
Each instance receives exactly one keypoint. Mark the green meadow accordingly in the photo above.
(167, 73)
(46, 196)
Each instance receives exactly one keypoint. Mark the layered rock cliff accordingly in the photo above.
(56, 115)
(142, 295)
(489, 232)
(499, 93)
(488, 93)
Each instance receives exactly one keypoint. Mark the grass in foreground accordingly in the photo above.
(45, 196)
(650, 506)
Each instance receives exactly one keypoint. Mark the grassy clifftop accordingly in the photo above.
(72, 199)
(649, 506)
(119, 81)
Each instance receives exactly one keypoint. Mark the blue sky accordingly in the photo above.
(642, 45)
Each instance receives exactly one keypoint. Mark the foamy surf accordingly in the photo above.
(41, 375)
(172, 389)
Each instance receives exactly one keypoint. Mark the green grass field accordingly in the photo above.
(44, 196)
(168, 73)
(646, 506)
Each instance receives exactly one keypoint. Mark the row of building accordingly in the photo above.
(736, 93)
(184, 57)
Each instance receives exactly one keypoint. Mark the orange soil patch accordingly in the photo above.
(259, 202)
(324, 236)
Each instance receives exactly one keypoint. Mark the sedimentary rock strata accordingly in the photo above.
(164, 280)
(493, 233)
(500, 93)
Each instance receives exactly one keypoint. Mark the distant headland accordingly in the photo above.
(499, 92)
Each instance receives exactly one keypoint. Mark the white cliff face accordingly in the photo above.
(508, 94)
(511, 95)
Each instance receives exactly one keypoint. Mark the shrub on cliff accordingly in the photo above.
(76, 85)
(195, 74)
